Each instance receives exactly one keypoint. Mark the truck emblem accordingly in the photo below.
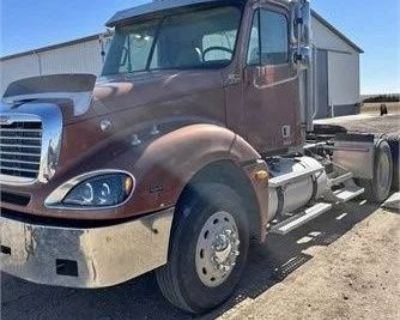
(5, 120)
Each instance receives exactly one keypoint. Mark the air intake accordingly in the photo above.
(20, 149)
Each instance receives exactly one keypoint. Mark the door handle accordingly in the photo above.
(260, 75)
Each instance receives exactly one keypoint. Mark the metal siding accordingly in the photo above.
(80, 58)
(84, 57)
(21, 67)
(323, 38)
(343, 77)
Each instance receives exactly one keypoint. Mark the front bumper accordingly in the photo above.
(85, 258)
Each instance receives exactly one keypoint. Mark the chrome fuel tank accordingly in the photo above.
(299, 190)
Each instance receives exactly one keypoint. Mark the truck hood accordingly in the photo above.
(82, 96)
(127, 91)
(144, 105)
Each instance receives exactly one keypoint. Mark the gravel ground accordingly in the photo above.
(356, 277)
(368, 123)
(343, 265)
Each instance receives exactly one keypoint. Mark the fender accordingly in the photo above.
(168, 163)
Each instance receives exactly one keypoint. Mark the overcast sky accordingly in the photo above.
(372, 25)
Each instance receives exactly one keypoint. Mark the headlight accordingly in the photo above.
(100, 191)
(96, 189)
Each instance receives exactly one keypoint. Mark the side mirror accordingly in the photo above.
(301, 34)
(301, 23)
(302, 57)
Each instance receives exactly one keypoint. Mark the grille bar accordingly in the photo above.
(5, 168)
(22, 154)
(20, 146)
(20, 138)
(19, 130)
(19, 161)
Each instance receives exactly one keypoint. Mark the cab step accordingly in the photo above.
(336, 181)
(300, 219)
(349, 192)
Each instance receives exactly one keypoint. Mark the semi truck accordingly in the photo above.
(196, 141)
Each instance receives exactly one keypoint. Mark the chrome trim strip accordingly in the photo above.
(54, 200)
(277, 83)
(50, 116)
(103, 256)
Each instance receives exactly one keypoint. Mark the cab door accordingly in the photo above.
(271, 99)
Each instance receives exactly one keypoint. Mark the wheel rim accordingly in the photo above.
(383, 173)
(217, 249)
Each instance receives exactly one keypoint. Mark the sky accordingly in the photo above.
(372, 25)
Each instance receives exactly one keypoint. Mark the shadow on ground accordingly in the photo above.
(140, 299)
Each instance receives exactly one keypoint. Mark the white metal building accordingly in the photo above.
(338, 70)
(338, 61)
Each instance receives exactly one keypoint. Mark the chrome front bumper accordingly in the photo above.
(85, 258)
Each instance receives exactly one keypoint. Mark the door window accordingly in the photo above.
(269, 40)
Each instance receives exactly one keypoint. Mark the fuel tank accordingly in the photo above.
(301, 191)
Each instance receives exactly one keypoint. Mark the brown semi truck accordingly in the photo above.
(196, 140)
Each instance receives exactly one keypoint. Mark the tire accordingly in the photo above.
(377, 190)
(186, 280)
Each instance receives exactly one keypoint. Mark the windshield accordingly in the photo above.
(200, 39)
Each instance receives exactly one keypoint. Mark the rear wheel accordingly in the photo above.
(208, 249)
(378, 189)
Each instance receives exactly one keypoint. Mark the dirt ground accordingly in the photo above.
(373, 108)
(366, 122)
(343, 265)
(355, 277)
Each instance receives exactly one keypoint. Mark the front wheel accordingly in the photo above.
(208, 249)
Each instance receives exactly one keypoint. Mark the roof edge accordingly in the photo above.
(53, 46)
(336, 31)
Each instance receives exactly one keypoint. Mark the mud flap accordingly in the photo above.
(394, 143)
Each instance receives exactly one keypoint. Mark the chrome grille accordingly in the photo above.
(20, 149)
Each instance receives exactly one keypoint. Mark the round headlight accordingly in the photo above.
(101, 191)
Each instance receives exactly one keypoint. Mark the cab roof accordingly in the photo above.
(159, 6)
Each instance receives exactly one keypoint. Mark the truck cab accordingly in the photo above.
(197, 138)
(236, 54)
